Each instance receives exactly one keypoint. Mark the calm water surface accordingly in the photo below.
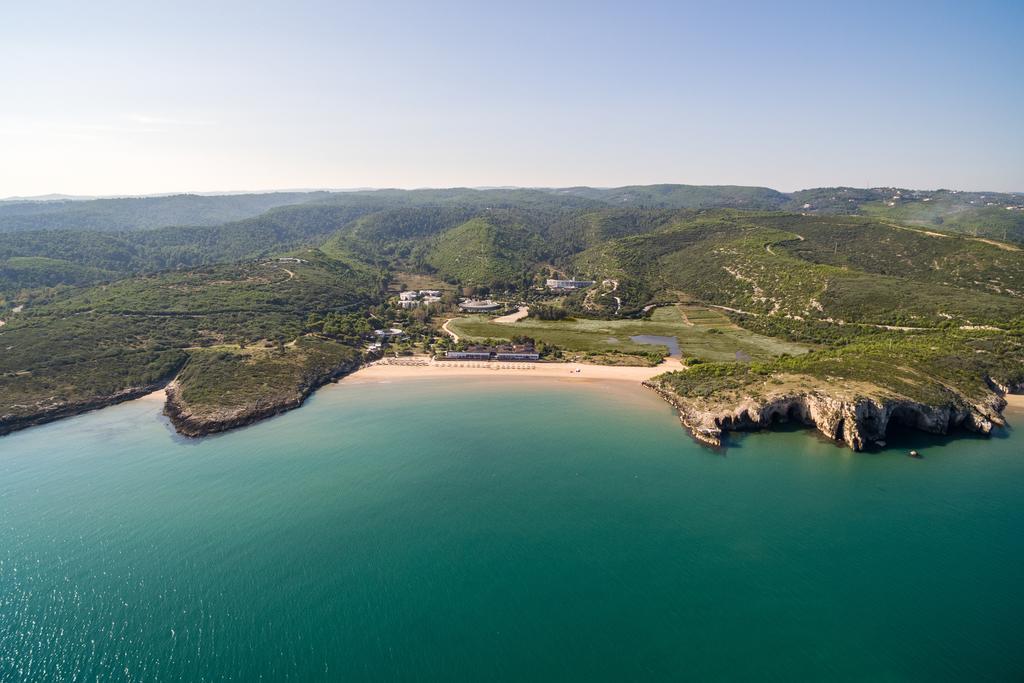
(659, 340)
(439, 531)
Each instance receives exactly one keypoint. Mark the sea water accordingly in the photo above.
(449, 530)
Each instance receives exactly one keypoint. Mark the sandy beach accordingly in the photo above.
(423, 368)
(1015, 403)
(159, 395)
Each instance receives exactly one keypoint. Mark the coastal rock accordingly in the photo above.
(57, 409)
(195, 421)
(859, 422)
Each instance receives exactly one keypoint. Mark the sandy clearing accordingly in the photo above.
(158, 395)
(563, 371)
(512, 317)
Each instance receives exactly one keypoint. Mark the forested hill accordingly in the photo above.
(236, 311)
(982, 214)
(505, 231)
(142, 213)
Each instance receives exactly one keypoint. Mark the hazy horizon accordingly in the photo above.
(118, 99)
(62, 196)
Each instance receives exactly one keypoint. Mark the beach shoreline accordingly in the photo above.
(421, 368)
(1014, 404)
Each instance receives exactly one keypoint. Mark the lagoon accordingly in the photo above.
(470, 529)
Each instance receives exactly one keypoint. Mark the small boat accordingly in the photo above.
(915, 454)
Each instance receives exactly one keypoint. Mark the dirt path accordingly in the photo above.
(994, 243)
(447, 330)
(611, 293)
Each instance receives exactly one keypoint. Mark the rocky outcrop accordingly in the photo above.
(195, 421)
(58, 409)
(859, 422)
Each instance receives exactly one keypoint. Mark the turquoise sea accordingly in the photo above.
(453, 530)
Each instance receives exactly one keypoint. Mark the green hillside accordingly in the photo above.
(30, 272)
(780, 264)
(80, 346)
(683, 196)
(142, 213)
(93, 315)
(485, 251)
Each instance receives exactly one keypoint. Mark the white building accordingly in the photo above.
(478, 306)
(568, 284)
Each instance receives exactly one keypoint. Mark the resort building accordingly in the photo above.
(479, 306)
(568, 284)
(424, 297)
(468, 355)
(517, 355)
(505, 352)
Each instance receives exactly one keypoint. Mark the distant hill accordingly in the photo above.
(683, 196)
(140, 213)
(95, 313)
(837, 268)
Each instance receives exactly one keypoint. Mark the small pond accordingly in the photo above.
(671, 342)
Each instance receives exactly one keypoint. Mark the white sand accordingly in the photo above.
(576, 372)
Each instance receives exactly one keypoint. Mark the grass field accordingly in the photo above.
(416, 281)
(701, 332)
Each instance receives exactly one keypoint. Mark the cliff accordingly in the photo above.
(196, 419)
(855, 415)
(57, 409)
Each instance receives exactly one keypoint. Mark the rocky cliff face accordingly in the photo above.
(192, 420)
(58, 409)
(859, 422)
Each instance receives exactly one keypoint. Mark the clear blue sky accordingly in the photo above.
(136, 97)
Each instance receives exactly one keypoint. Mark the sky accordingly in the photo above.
(102, 98)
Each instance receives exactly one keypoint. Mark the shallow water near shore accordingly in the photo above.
(460, 529)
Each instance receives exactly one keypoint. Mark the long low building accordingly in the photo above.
(505, 352)
(569, 284)
(517, 356)
(478, 306)
(468, 355)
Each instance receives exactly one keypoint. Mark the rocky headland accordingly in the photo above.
(855, 414)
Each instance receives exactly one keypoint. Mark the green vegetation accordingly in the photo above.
(142, 213)
(686, 196)
(100, 301)
(34, 272)
(801, 266)
(72, 347)
(699, 331)
(229, 378)
(932, 368)
(485, 251)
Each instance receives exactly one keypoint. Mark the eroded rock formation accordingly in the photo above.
(857, 421)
